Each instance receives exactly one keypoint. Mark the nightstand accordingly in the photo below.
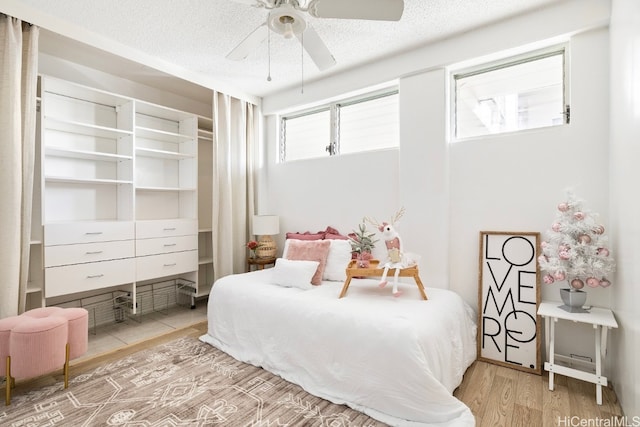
(601, 319)
(260, 263)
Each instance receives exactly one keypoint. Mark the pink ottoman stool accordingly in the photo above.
(40, 341)
(78, 319)
(37, 346)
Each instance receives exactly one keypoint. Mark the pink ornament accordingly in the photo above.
(543, 259)
(584, 238)
(565, 255)
(579, 216)
(605, 283)
(563, 207)
(548, 279)
(544, 244)
(556, 226)
(592, 282)
(563, 248)
(577, 284)
(598, 229)
(559, 275)
(603, 251)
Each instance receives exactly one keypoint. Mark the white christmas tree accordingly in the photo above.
(575, 249)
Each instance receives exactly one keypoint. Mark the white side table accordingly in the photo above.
(602, 320)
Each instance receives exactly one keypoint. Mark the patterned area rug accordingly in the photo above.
(181, 383)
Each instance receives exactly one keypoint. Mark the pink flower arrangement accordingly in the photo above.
(252, 245)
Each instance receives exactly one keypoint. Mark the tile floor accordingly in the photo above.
(112, 336)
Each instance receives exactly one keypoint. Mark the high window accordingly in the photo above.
(520, 93)
(365, 123)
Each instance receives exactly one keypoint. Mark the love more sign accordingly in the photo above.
(508, 299)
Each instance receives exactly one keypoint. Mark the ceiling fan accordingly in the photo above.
(286, 17)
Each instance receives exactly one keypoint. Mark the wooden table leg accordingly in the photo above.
(345, 286)
(416, 277)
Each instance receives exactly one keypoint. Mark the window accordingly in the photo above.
(311, 133)
(517, 94)
(366, 123)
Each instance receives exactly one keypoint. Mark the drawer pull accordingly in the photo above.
(170, 265)
(93, 233)
(95, 276)
(94, 252)
(169, 244)
(169, 229)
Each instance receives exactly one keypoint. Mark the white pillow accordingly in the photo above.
(337, 261)
(293, 273)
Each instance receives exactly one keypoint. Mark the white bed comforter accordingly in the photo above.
(396, 359)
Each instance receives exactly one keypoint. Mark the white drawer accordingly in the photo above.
(87, 232)
(165, 245)
(86, 277)
(150, 267)
(87, 252)
(166, 228)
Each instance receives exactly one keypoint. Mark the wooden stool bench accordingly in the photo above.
(353, 271)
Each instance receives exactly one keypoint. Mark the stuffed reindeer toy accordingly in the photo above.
(396, 258)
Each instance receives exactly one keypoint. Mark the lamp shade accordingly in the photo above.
(266, 225)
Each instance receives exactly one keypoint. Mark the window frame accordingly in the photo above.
(333, 146)
(480, 67)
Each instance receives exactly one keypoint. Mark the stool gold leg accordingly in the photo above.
(66, 366)
(7, 397)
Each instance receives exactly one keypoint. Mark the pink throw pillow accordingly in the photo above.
(314, 250)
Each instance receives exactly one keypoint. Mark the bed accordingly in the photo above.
(396, 359)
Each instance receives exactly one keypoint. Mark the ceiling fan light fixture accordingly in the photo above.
(286, 21)
(288, 31)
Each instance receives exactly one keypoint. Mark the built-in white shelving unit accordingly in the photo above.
(116, 195)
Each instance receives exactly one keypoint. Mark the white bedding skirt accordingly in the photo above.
(396, 359)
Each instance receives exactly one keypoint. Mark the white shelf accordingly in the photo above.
(208, 260)
(162, 154)
(72, 90)
(161, 135)
(70, 126)
(165, 189)
(33, 288)
(85, 155)
(73, 180)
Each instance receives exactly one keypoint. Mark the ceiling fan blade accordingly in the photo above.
(378, 10)
(316, 48)
(249, 43)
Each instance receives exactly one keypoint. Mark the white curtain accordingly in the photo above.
(234, 147)
(18, 82)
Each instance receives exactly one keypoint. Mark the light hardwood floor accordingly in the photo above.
(500, 396)
(497, 396)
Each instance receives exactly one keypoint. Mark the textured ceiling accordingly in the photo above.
(196, 35)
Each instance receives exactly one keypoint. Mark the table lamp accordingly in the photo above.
(266, 226)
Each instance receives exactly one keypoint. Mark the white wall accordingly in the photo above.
(625, 205)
